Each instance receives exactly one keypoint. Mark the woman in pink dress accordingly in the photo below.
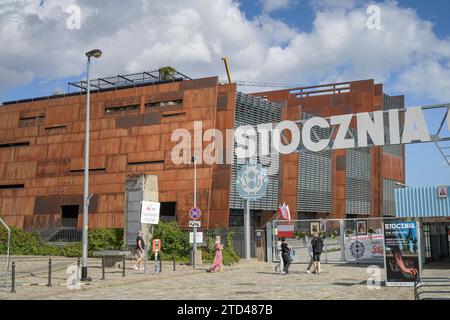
(218, 257)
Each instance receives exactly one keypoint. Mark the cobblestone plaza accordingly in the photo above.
(247, 280)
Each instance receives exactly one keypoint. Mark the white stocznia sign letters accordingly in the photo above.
(368, 125)
(267, 140)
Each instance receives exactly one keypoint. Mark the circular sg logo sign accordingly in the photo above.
(357, 249)
(252, 181)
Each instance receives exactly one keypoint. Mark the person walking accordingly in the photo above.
(280, 266)
(285, 253)
(317, 247)
(140, 248)
(218, 258)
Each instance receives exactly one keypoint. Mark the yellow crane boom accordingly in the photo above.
(225, 61)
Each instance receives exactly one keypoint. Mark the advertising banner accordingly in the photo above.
(286, 230)
(401, 253)
(366, 247)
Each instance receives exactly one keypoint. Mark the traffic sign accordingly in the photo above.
(195, 223)
(195, 213)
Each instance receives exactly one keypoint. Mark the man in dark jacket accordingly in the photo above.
(317, 247)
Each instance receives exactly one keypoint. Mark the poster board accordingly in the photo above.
(401, 254)
(150, 212)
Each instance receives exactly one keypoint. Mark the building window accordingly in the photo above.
(69, 216)
(14, 144)
(11, 186)
(168, 211)
(122, 109)
(31, 121)
(163, 103)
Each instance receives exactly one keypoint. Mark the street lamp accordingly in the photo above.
(96, 53)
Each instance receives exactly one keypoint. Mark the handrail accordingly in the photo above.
(431, 282)
(7, 250)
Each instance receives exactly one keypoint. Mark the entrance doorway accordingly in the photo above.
(69, 216)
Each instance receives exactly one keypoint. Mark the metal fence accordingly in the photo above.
(345, 240)
(58, 235)
(238, 238)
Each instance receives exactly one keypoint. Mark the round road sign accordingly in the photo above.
(195, 213)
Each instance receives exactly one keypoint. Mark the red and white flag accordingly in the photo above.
(285, 212)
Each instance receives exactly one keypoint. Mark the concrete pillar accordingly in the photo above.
(137, 189)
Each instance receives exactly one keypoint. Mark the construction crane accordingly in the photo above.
(225, 61)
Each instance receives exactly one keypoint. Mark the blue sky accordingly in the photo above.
(285, 41)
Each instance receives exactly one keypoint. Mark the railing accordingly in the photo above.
(8, 245)
(58, 234)
(426, 288)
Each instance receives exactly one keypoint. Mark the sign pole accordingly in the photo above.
(247, 229)
(194, 246)
(146, 250)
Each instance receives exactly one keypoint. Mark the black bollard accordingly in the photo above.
(103, 268)
(173, 262)
(123, 266)
(13, 277)
(78, 262)
(160, 265)
(49, 283)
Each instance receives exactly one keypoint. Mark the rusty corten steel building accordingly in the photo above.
(357, 182)
(42, 150)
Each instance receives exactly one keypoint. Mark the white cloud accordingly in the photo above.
(193, 35)
(273, 5)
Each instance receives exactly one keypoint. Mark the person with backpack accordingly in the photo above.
(286, 255)
(317, 247)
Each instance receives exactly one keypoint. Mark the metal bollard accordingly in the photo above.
(103, 268)
(173, 262)
(78, 262)
(49, 283)
(123, 266)
(13, 277)
(160, 265)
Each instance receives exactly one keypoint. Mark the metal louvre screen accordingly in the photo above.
(390, 103)
(314, 183)
(358, 182)
(395, 149)
(253, 111)
(314, 176)
(389, 197)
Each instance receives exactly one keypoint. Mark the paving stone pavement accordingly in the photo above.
(246, 280)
